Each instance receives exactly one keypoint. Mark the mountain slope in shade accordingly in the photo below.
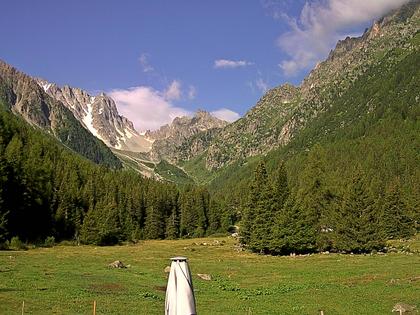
(100, 116)
(23, 96)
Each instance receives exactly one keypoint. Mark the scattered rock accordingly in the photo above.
(238, 247)
(167, 269)
(117, 264)
(403, 308)
(413, 279)
(393, 281)
(214, 243)
(204, 276)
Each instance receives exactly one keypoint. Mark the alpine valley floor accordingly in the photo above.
(67, 279)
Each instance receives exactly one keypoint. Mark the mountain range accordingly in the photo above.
(201, 148)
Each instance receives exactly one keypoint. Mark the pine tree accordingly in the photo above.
(357, 226)
(90, 231)
(201, 201)
(281, 195)
(280, 186)
(214, 217)
(255, 191)
(154, 227)
(110, 228)
(295, 232)
(396, 222)
(313, 203)
(172, 225)
(189, 217)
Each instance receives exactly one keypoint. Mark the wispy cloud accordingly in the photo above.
(174, 91)
(319, 26)
(192, 92)
(144, 62)
(226, 114)
(261, 85)
(146, 107)
(225, 63)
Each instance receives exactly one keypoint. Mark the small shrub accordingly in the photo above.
(68, 243)
(49, 241)
(4, 245)
(16, 243)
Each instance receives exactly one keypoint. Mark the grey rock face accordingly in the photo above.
(26, 98)
(100, 116)
(185, 137)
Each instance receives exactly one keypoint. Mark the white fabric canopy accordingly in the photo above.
(179, 292)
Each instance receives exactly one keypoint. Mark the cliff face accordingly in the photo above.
(24, 97)
(100, 116)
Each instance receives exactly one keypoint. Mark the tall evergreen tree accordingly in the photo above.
(396, 221)
(313, 202)
(281, 195)
(357, 226)
(172, 225)
(154, 227)
(255, 191)
(214, 217)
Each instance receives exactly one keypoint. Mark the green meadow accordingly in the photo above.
(67, 279)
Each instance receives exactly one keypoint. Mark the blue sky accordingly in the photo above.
(160, 59)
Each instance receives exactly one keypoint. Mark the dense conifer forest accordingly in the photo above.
(48, 190)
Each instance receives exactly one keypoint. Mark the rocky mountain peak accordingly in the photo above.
(169, 139)
(100, 116)
(186, 126)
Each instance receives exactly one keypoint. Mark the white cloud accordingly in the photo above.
(192, 92)
(225, 63)
(174, 91)
(226, 114)
(144, 62)
(321, 24)
(146, 107)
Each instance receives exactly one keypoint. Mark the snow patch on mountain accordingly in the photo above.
(88, 119)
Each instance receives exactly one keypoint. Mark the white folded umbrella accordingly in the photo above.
(179, 292)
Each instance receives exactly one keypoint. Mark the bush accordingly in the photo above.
(16, 243)
(49, 241)
(4, 245)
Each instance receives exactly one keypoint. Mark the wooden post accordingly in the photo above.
(94, 307)
(322, 312)
(23, 307)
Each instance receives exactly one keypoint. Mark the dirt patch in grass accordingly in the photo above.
(360, 280)
(160, 288)
(106, 288)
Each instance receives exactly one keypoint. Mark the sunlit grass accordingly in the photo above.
(67, 279)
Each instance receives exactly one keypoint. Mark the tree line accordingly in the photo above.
(315, 215)
(48, 190)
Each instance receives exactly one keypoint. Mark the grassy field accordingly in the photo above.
(66, 280)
